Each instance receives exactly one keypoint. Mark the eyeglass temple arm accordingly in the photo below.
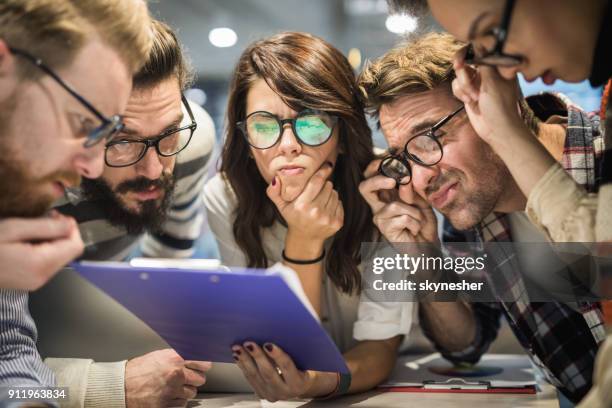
(505, 23)
(444, 120)
(38, 62)
(188, 108)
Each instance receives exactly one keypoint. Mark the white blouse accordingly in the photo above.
(347, 318)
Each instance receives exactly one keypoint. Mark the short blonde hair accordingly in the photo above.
(413, 67)
(55, 30)
(417, 66)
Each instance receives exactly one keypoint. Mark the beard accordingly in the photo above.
(16, 196)
(474, 202)
(21, 193)
(151, 214)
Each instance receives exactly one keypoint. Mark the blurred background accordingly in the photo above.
(214, 33)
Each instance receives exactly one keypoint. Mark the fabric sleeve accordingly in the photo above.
(600, 395)
(564, 210)
(90, 384)
(487, 318)
(219, 212)
(382, 320)
(185, 216)
(603, 220)
(20, 363)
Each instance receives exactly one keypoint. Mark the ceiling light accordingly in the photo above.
(222, 37)
(354, 58)
(401, 23)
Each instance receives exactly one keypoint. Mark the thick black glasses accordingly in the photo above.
(264, 129)
(109, 126)
(126, 152)
(496, 57)
(423, 148)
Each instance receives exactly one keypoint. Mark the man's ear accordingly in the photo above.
(8, 78)
(7, 59)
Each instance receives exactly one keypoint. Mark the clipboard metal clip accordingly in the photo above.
(456, 384)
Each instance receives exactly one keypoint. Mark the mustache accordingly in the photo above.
(141, 184)
(440, 181)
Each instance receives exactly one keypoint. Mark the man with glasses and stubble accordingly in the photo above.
(63, 88)
(54, 118)
(149, 195)
(65, 78)
(437, 161)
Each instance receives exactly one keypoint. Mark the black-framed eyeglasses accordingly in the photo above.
(423, 148)
(127, 152)
(109, 126)
(497, 57)
(263, 130)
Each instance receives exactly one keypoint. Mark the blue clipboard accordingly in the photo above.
(202, 313)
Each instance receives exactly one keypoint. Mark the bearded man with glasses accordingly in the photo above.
(150, 188)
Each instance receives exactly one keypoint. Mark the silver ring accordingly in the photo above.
(279, 371)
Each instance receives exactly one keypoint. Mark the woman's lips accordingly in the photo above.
(291, 171)
(443, 196)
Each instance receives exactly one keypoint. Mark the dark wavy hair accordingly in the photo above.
(307, 73)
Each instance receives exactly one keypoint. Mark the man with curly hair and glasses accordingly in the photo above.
(438, 161)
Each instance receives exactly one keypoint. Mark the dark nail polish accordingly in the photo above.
(269, 347)
(250, 347)
(235, 357)
(238, 352)
(274, 181)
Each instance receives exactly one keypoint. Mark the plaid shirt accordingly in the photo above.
(561, 340)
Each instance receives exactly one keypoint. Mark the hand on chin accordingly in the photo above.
(292, 185)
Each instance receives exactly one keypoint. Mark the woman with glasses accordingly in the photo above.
(297, 144)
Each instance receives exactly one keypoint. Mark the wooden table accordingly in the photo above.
(545, 398)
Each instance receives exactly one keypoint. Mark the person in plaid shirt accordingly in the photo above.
(450, 168)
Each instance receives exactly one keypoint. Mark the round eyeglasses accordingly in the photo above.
(311, 127)
(496, 57)
(423, 148)
(127, 152)
(107, 128)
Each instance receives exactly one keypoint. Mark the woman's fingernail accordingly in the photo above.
(235, 357)
(250, 347)
(274, 181)
(238, 352)
(269, 347)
